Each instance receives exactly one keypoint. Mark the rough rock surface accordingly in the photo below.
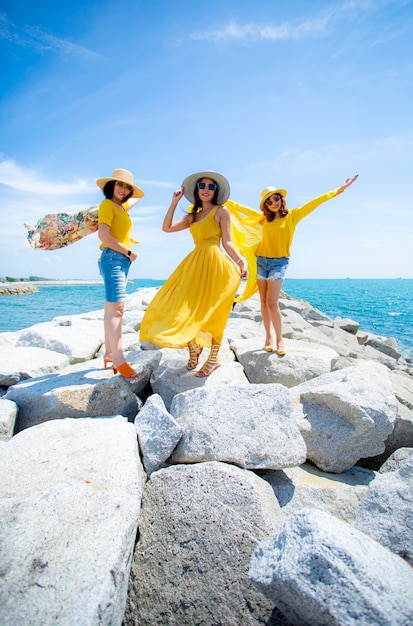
(69, 506)
(190, 567)
(320, 571)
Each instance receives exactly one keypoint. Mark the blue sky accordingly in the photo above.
(290, 93)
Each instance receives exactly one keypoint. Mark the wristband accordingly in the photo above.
(239, 261)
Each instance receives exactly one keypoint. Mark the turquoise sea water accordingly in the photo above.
(381, 306)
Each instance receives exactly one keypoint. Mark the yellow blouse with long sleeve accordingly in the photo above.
(254, 236)
(277, 236)
(118, 220)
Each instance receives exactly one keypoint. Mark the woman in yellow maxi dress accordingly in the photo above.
(192, 307)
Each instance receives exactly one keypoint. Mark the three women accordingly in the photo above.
(192, 307)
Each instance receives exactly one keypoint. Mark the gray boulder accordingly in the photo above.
(199, 525)
(302, 362)
(76, 391)
(21, 363)
(386, 513)
(69, 508)
(158, 433)
(306, 486)
(321, 571)
(172, 377)
(8, 415)
(346, 415)
(396, 460)
(251, 426)
(77, 338)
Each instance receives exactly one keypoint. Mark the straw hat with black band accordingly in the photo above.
(122, 176)
(223, 185)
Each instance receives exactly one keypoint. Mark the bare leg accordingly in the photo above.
(271, 314)
(113, 331)
(266, 318)
(273, 308)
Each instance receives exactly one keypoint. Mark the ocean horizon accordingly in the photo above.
(381, 306)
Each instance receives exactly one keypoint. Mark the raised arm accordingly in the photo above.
(224, 221)
(168, 225)
(349, 181)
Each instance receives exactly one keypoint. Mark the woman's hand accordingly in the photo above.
(243, 269)
(349, 181)
(177, 195)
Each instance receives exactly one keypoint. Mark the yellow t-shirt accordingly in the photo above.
(277, 236)
(118, 220)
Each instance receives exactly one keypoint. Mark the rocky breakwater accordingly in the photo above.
(276, 491)
(10, 289)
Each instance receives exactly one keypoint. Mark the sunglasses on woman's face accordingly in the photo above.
(273, 199)
(210, 186)
(124, 185)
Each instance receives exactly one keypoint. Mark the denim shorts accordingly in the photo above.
(114, 267)
(271, 269)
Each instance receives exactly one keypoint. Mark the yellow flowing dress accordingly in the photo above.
(196, 300)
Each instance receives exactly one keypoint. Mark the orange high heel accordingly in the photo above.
(106, 361)
(125, 370)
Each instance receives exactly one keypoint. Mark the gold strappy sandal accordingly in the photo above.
(211, 363)
(194, 352)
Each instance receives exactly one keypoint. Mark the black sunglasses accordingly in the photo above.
(211, 186)
(274, 198)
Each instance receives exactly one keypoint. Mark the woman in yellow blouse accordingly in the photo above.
(114, 231)
(273, 253)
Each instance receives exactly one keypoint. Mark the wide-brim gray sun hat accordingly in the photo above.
(189, 183)
(122, 176)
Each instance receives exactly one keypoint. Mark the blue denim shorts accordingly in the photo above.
(114, 268)
(271, 269)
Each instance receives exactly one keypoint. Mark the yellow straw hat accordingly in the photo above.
(122, 176)
(190, 182)
(269, 191)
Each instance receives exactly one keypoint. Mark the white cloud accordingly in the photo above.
(255, 32)
(24, 179)
(37, 39)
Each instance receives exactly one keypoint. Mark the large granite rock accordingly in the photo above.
(70, 496)
(199, 526)
(158, 433)
(306, 486)
(302, 362)
(250, 426)
(172, 377)
(321, 571)
(346, 415)
(386, 513)
(8, 415)
(21, 363)
(75, 337)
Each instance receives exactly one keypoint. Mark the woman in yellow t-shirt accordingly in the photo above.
(114, 231)
(273, 253)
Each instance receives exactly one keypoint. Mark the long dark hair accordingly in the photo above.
(198, 202)
(109, 189)
(270, 215)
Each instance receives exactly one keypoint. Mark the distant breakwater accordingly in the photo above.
(13, 288)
